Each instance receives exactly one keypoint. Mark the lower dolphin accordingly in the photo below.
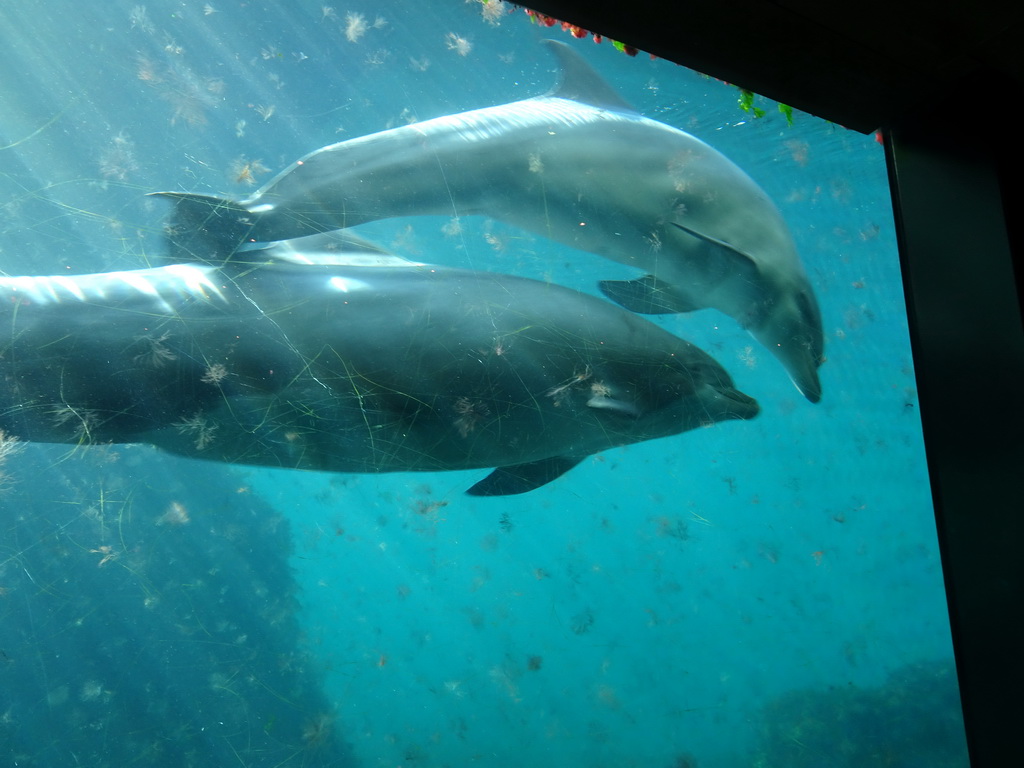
(579, 166)
(283, 358)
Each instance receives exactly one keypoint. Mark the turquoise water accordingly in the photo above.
(757, 593)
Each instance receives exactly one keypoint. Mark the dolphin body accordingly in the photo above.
(295, 356)
(580, 166)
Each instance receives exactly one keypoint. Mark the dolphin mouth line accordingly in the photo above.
(748, 406)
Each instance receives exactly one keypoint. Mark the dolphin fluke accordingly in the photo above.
(205, 228)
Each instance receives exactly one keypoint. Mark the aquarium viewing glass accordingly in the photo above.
(765, 590)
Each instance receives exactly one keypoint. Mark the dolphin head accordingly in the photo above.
(699, 394)
(767, 290)
(790, 327)
(687, 389)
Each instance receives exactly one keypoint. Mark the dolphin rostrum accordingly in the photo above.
(578, 165)
(296, 356)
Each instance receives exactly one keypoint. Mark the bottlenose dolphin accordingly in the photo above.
(578, 165)
(296, 356)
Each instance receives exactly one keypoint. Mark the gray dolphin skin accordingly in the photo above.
(579, 166)
(293, 356)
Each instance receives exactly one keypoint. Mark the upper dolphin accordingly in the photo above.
(297, 356)
(580, 166)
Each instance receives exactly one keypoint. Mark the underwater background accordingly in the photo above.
(762, 593)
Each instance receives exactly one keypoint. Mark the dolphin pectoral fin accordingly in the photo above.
(647, 295)
(205, 228)
(520, 478)
(737, 260)
(580, 82)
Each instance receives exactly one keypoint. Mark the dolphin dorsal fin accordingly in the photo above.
(580, 82)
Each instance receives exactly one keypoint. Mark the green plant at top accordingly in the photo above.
(746, 102)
